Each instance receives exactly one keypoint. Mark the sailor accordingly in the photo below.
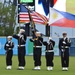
(37, 49)
(49, 53)
(21, 37)
(9, 52)
(64, 44)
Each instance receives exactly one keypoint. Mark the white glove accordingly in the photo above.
(18, 34)
(7, 45)
(64, 42)
(62, 50)
(21, 36)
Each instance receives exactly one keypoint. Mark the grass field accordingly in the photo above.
(29, 65)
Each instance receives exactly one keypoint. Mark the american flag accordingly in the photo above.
(37, 18)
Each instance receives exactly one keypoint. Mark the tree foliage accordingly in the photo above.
(7, 20)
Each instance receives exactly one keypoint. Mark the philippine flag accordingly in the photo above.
(61, 19)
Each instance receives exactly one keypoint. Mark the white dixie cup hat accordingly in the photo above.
(21, 30)
(9, 37)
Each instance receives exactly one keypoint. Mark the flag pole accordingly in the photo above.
(19, 26)
(47, 26)
(51, 2)
(30, 17)
(31, 20)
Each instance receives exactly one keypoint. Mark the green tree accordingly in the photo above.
(7, 20)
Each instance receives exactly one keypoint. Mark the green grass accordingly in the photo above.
(29, 65)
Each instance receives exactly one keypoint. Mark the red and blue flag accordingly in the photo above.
(61, 19)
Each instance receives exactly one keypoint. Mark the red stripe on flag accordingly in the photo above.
(55, 1)
(37, 18)
(64, 22)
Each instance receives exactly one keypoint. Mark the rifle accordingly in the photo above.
(63, 48)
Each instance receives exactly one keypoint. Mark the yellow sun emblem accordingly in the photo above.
(54, 15)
